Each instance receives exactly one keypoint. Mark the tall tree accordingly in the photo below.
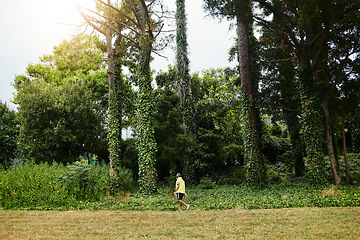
(307, 28)
(59, 122)
(146, 143)
(60, 74)
(183, 84)
(279, 93)
(302, 44)
(344, 69)
(241, 11)
(138, 21)
(106, 28)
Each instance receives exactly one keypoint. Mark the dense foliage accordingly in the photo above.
(62, 104)
(9, 130)
(59, 123)
(81, 186)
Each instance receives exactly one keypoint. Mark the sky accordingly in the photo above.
(30, 29)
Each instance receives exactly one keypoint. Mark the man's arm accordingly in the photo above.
(177, 187)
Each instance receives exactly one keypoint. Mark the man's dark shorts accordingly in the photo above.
(179, 196)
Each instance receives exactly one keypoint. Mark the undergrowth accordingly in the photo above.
(82, 186)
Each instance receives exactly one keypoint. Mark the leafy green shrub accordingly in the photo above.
(207, 183)
(236, 177)
(123, 180)
(278, 173)
(85, 182)
(32, 185)
(76, 179)
(354, 165)
(44, 186)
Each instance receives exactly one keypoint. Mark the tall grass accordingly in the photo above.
(45, 186)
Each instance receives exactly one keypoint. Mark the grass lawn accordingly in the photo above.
(293, 223)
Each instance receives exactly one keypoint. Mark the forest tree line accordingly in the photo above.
(292, 102)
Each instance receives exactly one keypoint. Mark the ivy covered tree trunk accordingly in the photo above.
(114, 134)
(183, 85)
(254, 161)
(146, 143)
(182, 60)
(116, 109)
(312, 128)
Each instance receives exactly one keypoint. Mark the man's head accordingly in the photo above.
(178, 175)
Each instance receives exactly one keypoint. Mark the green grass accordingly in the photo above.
(295, 223)
(232, 197)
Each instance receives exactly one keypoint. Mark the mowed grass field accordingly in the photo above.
(294, 223)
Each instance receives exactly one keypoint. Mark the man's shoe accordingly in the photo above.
(188, 206)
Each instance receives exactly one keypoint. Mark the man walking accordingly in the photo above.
(180, 191)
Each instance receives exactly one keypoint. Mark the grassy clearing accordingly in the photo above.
(296, 223)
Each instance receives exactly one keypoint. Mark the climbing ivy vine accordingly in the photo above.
(116, 106)
(253, 158)
(114, 134)
(183, 85)
(312, 129)
(146, 143)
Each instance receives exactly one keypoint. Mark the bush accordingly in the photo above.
(44, 186)
(354, 165)
(207, 183)
(32, 185)
(85, 182)
(123, 180)
(236, 177)
(278, 173)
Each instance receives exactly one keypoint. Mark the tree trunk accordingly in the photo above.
(183, 85)
(311, 125)
(254, 162)
(345, 150)
(113, 126)
(293, 124)
(329, 143)
(146, 143)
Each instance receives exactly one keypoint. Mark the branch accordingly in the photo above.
(274, 28)
(119, 11)
(89, 22)
(94, 12)
(134, 11)
(113, 19)
(282, 19)
(151, 3)
(315, 39)
(126, 37)
(125, 25)
(159, 31)
(281, 60)
(156, 52)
